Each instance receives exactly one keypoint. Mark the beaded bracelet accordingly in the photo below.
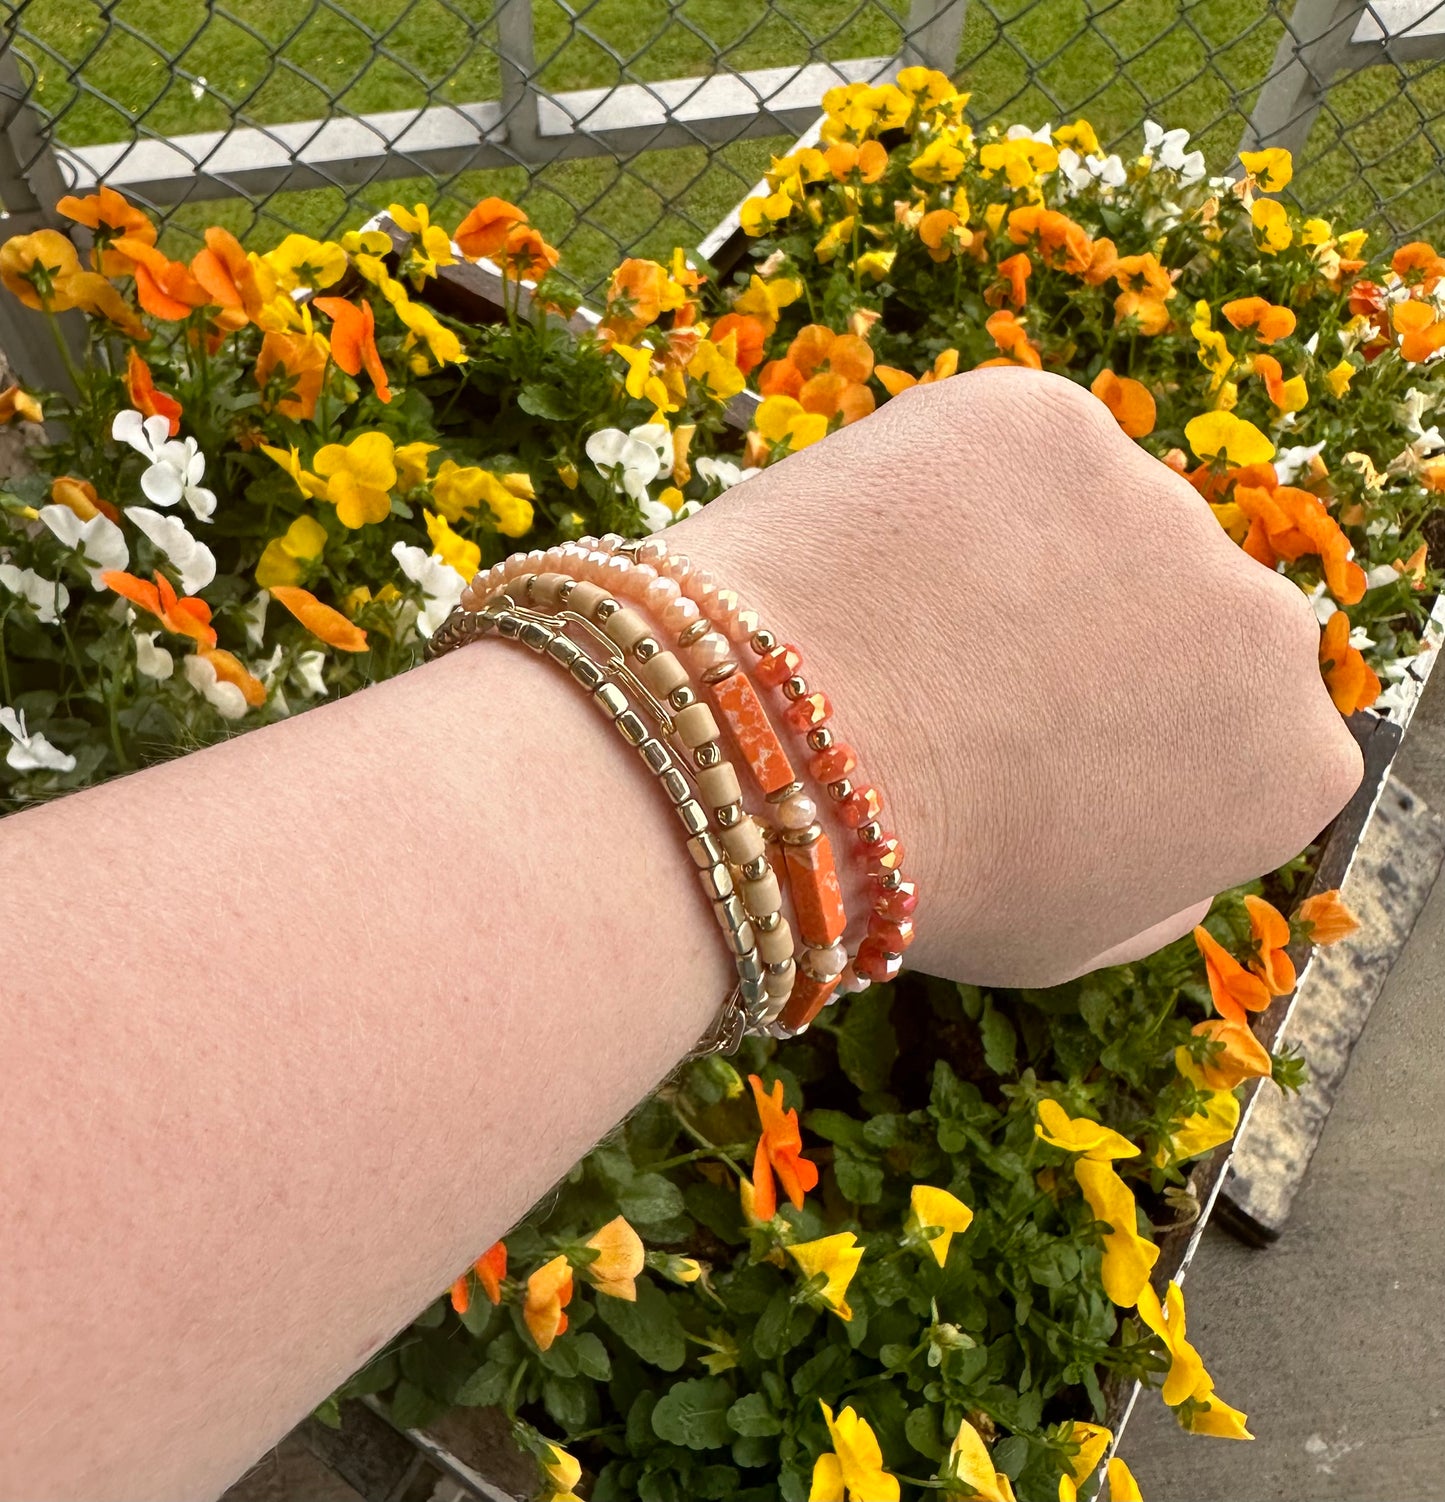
(761, 990)
(646, 572)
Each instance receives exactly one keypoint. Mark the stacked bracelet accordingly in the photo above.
(746, 856)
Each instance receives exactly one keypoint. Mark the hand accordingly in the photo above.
(1087, 708)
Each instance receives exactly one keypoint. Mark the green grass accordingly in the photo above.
(103, 69)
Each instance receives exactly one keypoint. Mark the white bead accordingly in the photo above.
(824, 964)
(851, 983)
(710, 650)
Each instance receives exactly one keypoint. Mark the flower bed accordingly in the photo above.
(910, 1250)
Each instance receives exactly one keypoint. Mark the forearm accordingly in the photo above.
(295, 1027)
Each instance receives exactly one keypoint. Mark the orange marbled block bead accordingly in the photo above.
(817, 896)
(806, 1000)
(738, 703)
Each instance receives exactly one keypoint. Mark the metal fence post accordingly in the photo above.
(517, 60)
(933, 34)
(30, 182)
(1314, 46)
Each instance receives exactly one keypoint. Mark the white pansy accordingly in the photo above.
(254, 616)
(31, 752)
(153, 661)
(657, 515)
(228, 699)
(440, 583)
(308, 673)
(177, 466)
(1397, 667)
(266, 669)
(99, 541)
(657, 435)
(1312, 343)
(628, 461)
(195, 562)
(1166, 149)
(722, 472)
(1044, 135)
(48, 598)
(1073, 171)
(1290, 464)
(1110, 170)
(1380, 575)
(1360, 638)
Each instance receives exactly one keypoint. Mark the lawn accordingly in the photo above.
(173, 66)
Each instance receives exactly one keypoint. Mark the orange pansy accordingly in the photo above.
(870, 160)
(751, 337)
(939, 230)
(320, 620)
(1268, 320)
(144, 397)
(1063, 244)
(1422, 257)
(186, 615)
(527, 255)
(619, 1261)
(1129, 400)
(225, 271)
(549, 1289)
(111, 217)
(1240, 1056)
(1234, 990)
(300, 360)
(1012, 338)
(1421, 334)
(779, 1151)
(353, 340)
(1014, 273)
(230, 669)
(1270, 928)
(80, 495)
(1350, 679)
(1147, 288)
(485, 229)
(489, 1269)
(896, 381)
(1332, 920)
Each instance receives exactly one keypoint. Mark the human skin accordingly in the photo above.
(299, 1024)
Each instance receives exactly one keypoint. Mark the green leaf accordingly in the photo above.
(544, 401)
(695, 1413)
(752, 1415)
(924, 1428)
(592, 1358)
(649, 1198)
(1000, 1043)
(650, 1326)
(565, 1398)
(411, 1408)
(488, 1386)
(867, 1044)
(1010, 1454)
(327, 1413)
(753, 1451)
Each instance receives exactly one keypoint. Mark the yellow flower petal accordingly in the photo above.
(938, 1208)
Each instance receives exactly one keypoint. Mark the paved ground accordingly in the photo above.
(1333, 1339)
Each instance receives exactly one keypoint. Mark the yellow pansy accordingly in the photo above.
(431, 246)
(938, 1208)
(1274, 167)
(283, 556)
(411, 464)
(563, 1472)
(806, 165)
(758, 216)
(1186, 1375)
(1021, 161)
(765, 300)
(782, 419)
(1203, 1131)
(359, 476)
(1215, 1417)
(993, 216)
(1352, 243)
(1222, 435)
(1272, 221)
(970, 1463)
(1338, 377)
(1128, 1256)
(1213, 350)
(457, 490)
(1092, 1440)
(852, 1471)
(423, 325)
(300, 261)
(1315, 232)
(642, 381)
(875, 263)
(715, 372)
(462, 554)
(941, 161)
(837, 1258)
(353, 600)
(838, 234)
(1079, 136)
(926, 87)
(290, 460)
(855, 110)
(1122, 1486)
(1080, 1135)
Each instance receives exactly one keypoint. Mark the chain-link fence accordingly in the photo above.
(634, 125)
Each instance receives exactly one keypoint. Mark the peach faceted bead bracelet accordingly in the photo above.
(628, 597)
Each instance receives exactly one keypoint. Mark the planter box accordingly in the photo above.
(468, 1454)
